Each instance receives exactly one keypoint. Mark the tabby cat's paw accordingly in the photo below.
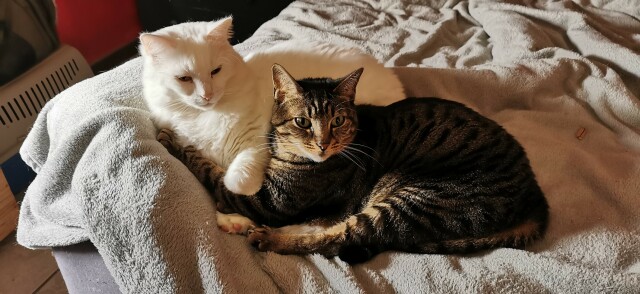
(166, 137)
(260, 238)
(234, 223)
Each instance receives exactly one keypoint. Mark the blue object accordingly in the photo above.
(18, 174)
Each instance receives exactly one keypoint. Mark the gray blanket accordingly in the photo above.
(562, 77)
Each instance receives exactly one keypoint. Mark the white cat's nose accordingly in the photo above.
(206, 96)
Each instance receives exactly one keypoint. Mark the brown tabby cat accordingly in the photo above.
(422, 175)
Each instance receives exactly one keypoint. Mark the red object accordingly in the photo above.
(97, 28)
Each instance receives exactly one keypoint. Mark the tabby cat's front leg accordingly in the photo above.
(232, 223)
(207, 171)
(351, 238)
(300, 239)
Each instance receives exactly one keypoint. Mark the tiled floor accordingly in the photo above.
(28, 271)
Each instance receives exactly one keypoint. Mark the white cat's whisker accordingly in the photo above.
(178, 106)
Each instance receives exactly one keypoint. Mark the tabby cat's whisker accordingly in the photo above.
(344, 154)
(285, 144)
(264, 148)
(355, 156)
(343, 102)
(269, 137)
(361, 145)
(364, 153)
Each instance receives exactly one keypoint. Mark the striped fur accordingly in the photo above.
(422, 175)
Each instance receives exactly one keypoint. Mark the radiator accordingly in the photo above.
(22, 99)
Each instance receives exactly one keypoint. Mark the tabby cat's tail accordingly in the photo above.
(518, 236)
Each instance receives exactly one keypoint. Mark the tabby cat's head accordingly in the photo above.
(314, 118)
(192, 61)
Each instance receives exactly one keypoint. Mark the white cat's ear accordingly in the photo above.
(347, 86)
(153, 45)
(283, 84)
(222, 29)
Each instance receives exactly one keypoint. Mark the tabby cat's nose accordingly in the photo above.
(323, 146)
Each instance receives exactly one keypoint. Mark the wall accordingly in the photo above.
(97, 28)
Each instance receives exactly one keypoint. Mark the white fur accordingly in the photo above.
(234, 223)
(231, 125)
(301, 229)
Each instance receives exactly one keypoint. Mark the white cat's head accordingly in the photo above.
(192, 61)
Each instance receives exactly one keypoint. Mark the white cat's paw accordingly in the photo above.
(234, 223)
(242, 183)
(245, 174)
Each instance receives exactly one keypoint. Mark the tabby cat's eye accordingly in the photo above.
(337, 121)
(184, 79)
(302, 122)
(215, 71)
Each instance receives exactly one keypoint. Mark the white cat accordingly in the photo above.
(196, 84)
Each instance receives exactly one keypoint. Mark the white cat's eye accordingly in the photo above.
(184, 79)
(302, 122)
(337, 121)
(215, 71)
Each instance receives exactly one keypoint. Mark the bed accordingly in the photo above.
(563, 77)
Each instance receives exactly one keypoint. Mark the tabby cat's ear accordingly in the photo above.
(284, 85)
(347, 86)
(154, 45)
(222, 29)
